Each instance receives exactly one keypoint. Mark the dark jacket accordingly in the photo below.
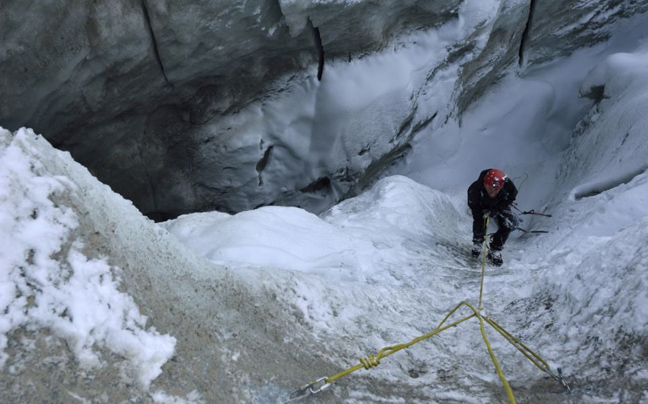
(479, 201)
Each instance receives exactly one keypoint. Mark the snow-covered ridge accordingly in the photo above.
(46, 279)
(96, 299)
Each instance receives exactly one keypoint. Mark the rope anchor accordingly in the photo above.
(309, 389)
(561, 379)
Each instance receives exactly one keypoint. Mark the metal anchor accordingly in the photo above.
(311, 388)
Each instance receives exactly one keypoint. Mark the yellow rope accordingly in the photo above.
(373, 361)
(526, 351)
(484, 250)
(507, 387)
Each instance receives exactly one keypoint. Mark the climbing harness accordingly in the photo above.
(369, 362)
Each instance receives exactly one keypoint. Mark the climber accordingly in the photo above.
(492, 194)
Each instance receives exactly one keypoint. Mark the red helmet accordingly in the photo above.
(494, 179)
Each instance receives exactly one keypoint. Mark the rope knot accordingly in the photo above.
(369, 362)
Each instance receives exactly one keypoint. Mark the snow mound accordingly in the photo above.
(350, 242)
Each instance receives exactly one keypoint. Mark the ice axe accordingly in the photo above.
(531, 212)
(531, 231)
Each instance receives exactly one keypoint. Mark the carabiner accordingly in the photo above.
(309, 389)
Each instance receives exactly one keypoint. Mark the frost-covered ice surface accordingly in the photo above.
(387, 266)
(342, 124)
(47, 282)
